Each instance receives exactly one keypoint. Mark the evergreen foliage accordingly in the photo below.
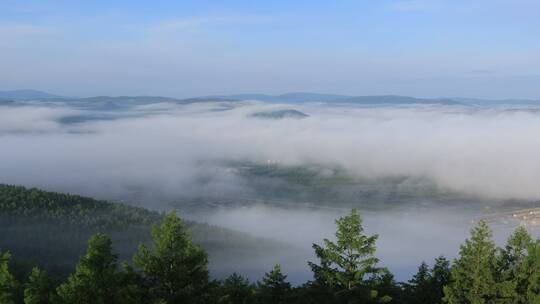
(18, 203)
(273, 288)
(175, 268)
(236, 290)
(474, 271)
(95, 278)
(38, 288)
(52, 230)
(440, 277)
(347, 263)
(426, 286)
(8, 284)
(513, 272)
(420, 284)
(531, 271)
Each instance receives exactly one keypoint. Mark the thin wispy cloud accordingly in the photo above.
(202, 22)
(359, 47)
(416, 5)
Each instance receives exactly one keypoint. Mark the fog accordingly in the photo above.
(490, 153)
(404, 239)
(164, 155)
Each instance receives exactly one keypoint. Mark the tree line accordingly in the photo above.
(175, 270)
(17, 202)
(52, 229)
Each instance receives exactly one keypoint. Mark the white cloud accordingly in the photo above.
(31, 119)
(170, 149)
(488, 153)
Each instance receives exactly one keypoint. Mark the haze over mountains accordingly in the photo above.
(26, 94)
(280, 166)
(288, 98)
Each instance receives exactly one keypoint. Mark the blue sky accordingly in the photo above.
(474, 48)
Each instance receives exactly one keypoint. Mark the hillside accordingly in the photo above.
(280, 114)
(51, 229)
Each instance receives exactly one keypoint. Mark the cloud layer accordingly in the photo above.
(489, 153)
(163, 154)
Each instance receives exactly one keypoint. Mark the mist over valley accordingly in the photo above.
(421, 171)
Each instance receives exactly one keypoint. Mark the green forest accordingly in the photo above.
(169, 266)
(52, 230)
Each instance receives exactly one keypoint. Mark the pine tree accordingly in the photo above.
(132, 289)
(176, 270)
(8, 284)
(440, 277)
(427, 284)
(235, 290)
(347, 263)
(473, 272)
(274, 288)
(95, 277)
(531, 269)
(387, 289)
(514, 275)
(420, 285)
(422, 276)
(38, 288)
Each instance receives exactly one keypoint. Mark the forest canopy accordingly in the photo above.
(171, 268)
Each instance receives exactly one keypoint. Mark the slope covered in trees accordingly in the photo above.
(170, 268)
(51, 229)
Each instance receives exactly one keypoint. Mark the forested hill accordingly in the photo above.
(52, 229)
(172, 270)
(19, 204)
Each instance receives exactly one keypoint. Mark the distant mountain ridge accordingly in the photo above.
(494, 102)
(280, 114)
(27, 94)
(118, 102)
(297, 97)
(336, 98)
(395, 99)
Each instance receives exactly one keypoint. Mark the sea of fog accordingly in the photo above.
(160, 155)
(405, 238)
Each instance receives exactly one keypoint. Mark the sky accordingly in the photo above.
(423, 48)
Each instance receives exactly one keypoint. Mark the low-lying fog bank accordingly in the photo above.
(169, 148)
(405, 238)
(188, 155)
